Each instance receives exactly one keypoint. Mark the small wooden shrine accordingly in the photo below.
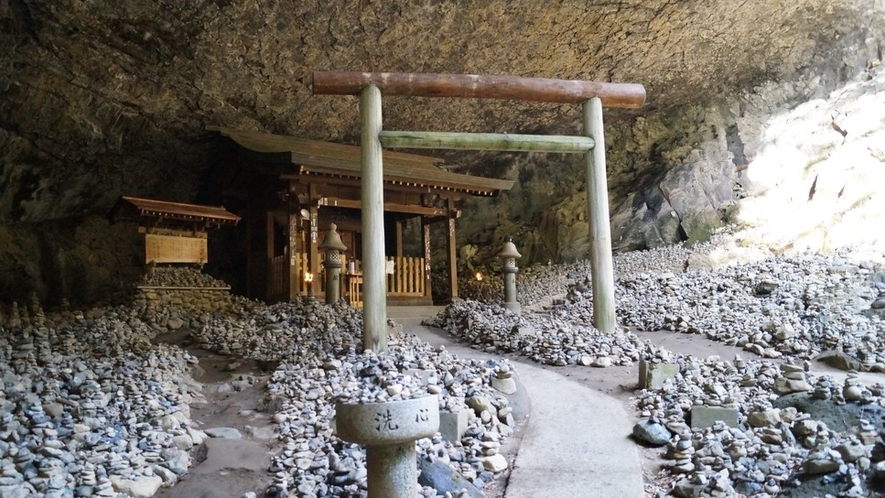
(174, 232)
(294, 188)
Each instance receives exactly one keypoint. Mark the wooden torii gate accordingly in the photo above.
(593, 96)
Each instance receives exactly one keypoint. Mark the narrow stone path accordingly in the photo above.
(576, 442)
(236, 461)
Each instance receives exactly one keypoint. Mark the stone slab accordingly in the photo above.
(653, 375)
(453, 424)
(706, 416)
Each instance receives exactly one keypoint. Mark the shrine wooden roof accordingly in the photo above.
(314, 157)
(142, 210)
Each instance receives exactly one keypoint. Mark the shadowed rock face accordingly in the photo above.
(109, 98)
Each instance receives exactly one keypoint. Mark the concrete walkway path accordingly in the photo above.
(576, 443)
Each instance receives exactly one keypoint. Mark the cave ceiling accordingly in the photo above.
(108, 98)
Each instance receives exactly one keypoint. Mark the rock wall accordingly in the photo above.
(83, 259)
(748, 159)
(103, 99)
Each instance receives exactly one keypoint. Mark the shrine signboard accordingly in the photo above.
(174, 232)
(175, 249)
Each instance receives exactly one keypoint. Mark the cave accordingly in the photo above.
(744, 207)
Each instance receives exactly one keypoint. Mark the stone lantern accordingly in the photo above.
(508, 256)
(333, 246)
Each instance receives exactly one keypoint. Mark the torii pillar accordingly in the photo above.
(593, 95)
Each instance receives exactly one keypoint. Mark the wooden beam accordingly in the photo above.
(388, 206)
(485, 141)
(601, 265)
(628, 95)
(389, 187)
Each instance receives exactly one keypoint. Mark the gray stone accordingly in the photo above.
(820, 465)
(168, 476)
(653, 375)
(839, 359)
(652, 432)
(453, 424)
(686, 489)
(506, 386)
(763, 418)
(54, 410)
(444, 479)
(524, 331)
(494, 463)
(783, 385)
(143, 487)
(183, 442)
(705, 416)
(765, 287)
(176, 460)
(16, 491)
(196, 435)
(851, 451)
(481, 404)
(387, 423)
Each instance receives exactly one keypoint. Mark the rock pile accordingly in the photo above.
(179, 276)
(90, 407)
(322, 361)
(780, 438)
(798, 306)
(537, 284)
(167, 289)
(727, 428)
(557, 338)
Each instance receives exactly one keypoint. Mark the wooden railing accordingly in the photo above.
(354, 290)
(407, 280)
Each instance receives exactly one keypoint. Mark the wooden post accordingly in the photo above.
(425, 242)
(399, 238)
(601, 266)
(291, 263)
(314, 260)
(452, 251)
(252, 267)
(629, 95)
(268, 248)
(372, 196)
(400, 274)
